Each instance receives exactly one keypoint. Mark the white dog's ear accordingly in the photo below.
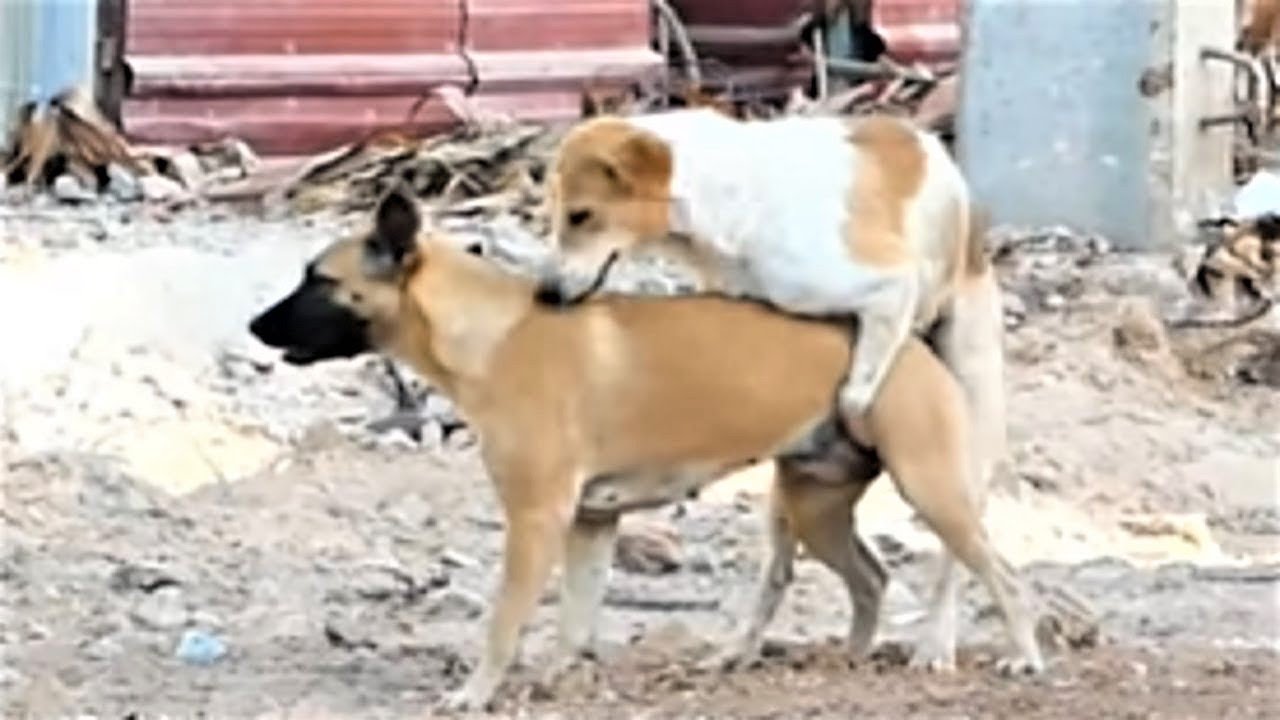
(393, 244)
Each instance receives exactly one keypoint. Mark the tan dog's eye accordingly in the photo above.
(578, 217)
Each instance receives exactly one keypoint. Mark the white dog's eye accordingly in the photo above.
(578, 217)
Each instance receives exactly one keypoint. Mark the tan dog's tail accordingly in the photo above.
(976, 260)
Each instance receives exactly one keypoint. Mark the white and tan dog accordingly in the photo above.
(865, 217)
(621, 403)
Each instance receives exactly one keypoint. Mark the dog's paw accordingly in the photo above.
(566, 664)
(1020, 666)
(933, 660)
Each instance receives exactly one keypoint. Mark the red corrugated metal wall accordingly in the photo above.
(915, 30)
(294, 76)
(920, 30)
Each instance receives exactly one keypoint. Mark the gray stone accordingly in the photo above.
(123, 183)
(186, 167)
(69, 190)
(456, 604)
(454, 558)
(158, 188)
(163, 609)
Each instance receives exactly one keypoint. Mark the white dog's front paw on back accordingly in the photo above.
(855, 398)
(1019, 666)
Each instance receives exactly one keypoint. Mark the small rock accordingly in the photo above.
(454, 603)
(197, 647)
(186, 168)
(382, 582)
(1014, 306)
(1054, 301)
(130, 576)
(160, 610)
(439, 408)
(123, 183)
(702, 564)
(243, 156)
(394, 440)
(649, 548)
(456, 559)
(69, 190)
(460, 438)
(158, 188)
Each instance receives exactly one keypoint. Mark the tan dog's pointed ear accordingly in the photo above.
(639, 160)
(393, 244)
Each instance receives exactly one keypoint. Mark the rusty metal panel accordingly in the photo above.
(296, 76)
(556, 24)
(214, 27)
(919, 30)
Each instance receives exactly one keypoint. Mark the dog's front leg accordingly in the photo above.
(588, 556)
(885, 314)
(533, 543)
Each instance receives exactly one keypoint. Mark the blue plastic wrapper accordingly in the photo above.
(200, 648)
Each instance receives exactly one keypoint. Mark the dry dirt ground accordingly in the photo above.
(163, 475)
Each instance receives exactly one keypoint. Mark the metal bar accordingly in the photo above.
(860, 70)
(820, 62)
(1215, 120)
(1240, 60)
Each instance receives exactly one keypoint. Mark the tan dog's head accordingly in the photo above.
(352, 295)
(609, 191)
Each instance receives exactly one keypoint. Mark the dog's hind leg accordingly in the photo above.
(922, 439)
(588, 556)
(776, 574)
(822, 518)
(969, 340)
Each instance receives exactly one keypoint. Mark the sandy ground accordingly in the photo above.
(162, 475)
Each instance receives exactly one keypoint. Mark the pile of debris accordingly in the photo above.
(69, 147)
(474, 171)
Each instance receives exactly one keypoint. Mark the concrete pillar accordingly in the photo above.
(1085, 113)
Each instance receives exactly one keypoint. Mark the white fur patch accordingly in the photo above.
(770, 201)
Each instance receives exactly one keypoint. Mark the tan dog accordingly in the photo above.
(629, 402)
(865, 217)
(1235, 278)
(1260, 26)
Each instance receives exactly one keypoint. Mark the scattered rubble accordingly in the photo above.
(69, 147)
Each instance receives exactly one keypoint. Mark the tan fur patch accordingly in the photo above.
(976, 260)
(1263, 28)
(890, 171)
